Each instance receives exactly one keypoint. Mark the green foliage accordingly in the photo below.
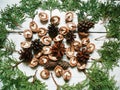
(12, 16)
(113, 28)
(9, 46)
(50, 4)
(13, 79)
(110, 54)
(3, 34)
(29, 6)
(70, 5)
(109, 10)
(100, 80)
(91, 8)
(78, 86)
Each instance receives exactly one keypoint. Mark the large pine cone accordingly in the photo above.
(84, 26)
(26, 55)
(82, 56)
(37, 46)
(65, 65)
(52, 30)
(50, 65)
(70, 37)
(58, 50)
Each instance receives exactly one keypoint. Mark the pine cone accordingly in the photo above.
(26, 55)
(84, 26)
(50, 65)
(58, 50)
(64, 64)
(52, 30)
(70, 37)
(37, 46)
(82, 56)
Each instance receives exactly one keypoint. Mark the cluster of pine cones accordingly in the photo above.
(49, 49)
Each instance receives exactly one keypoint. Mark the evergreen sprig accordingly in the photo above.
(50, 4)
(99, 79)
(12, 16)
(113, 28)
(91, 8)
(110, 54)
(3, 34)
(13, 79)
(30, 6)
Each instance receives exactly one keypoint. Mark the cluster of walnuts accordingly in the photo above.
(48, 50)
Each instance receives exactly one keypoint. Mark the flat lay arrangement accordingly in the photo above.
(59, 45)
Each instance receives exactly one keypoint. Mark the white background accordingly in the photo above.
(76, 76)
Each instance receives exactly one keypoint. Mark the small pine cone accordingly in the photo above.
(70, 37)
(37, 46)
(50, 65)
(82, 56)
(84, 26)
(65, 65)
(26, 55)
(58, 50)
(52, 30)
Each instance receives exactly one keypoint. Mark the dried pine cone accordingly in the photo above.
(70, 37)
(64, 64)
(26, 55)
(58, 50)
(37, 46)
(50, 65)
(82, 56)
(52, 30)
(84, 26)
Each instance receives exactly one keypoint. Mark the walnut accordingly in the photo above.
(34, 26)
(47, 50)
(46, 40)
(58, 71)
(55, 20)
(43, 60)
(28, 34)
(72, 26)
(43, 17)
(34, 62)
(73, 61)
(63, 30)
(90, 47)
(77, 45)
(45, 74)
(25, 44)
(70, 52)
(42, 32)
(85, 41)
(58, 38)
(66, 75)
(69, 16)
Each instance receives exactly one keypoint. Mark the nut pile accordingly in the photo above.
(48, 51)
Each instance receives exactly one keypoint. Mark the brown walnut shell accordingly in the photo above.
(58, 71)
(55, 20)
(28, 34)
(63, 30)
(46, 40)
(34, 26)
(45, 74)
(43, 17)
(43, 60)
(66, 75)
(42, 32)
(69, 16)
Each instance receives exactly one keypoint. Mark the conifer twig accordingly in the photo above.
(58, 86)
